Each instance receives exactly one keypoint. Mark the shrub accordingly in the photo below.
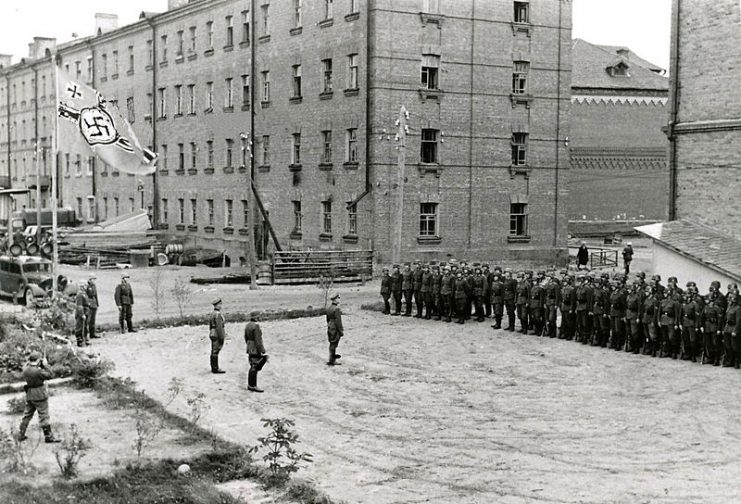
(147, 430)
(70, 452)
(89, 369)
(16, 454)
(280, 454)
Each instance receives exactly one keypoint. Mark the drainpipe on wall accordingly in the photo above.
(155, 181)
(94, 167)
(674, 111)
(558, 126)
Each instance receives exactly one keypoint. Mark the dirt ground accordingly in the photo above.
(422, 411)
(111, 434)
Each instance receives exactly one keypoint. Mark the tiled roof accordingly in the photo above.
(702, 243)
(631, 56)
(590, 63)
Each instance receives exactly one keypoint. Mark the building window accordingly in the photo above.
(328, 9)
(430, 68)
(327, 151)
(210, 34)
(245, 213)
(428, 219)
(352, 145)
(150, 105)
(131, 59)
(297, 217)
(191, 98)
(519, 77)
(353, 6)
(66, 165)
(229, 152)
(78, 165)
(265, 150)
(90, 165)
(181, 157)
(78, 74)
(327, 217)
(163, 103)
(193, 155)
(352, 76)
(90, 69)
(132, 205)
(296, 149)
(104, 66)
(178, 100)
(105, 209)
(296, 81)
(265, 9)
(245, 91)
(163, 41)
(192, 31)
(130, 109)
(245, 27)
(210, 155)
(229, 94)
(266, 86)
(163, 157)
(194, 211)
(181, 211)
(228, 213)
(518, 219)
(181, 44)
(79, 208)
(164, 209)
(116, 206)
(428, 153)
(297, 8)
(327, 73)
(209, 97)
(352, 220)
(229, 31)
(519, 149)
(210, 209)
(245, 146)
(522, 12)
(150, 53)
(430, 6)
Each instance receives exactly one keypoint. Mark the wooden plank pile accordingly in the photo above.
(104, 248)
(295, 267)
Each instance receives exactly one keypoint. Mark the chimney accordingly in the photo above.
(174, 4)
(37, 49)
(105, 23)
(5, 60)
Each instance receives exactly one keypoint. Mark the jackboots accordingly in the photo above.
(215, 365)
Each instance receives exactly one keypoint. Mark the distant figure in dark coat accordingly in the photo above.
(582, 256)
(627, 257)
(255, 351)
(335, 331)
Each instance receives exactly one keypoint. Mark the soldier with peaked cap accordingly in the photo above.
(691, 314)
(497, 298)
(447, 291)
(82, 305)
(552, 302)
(712, 325)
(650, 311)
(479, 288)
(396, 282)
(217, 335)
(568, 309)
(536, 306)
(35, 374)
(633, 317)
(522, 301)
(461, 297)
(124, 298)
(386, 291)
(92, 296)
(335, 331)
(407, 286)
(584, 302)
(617, 303)
(627, 257)
(255, 352)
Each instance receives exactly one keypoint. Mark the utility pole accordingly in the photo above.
(398, 222)
(38, 191)
(250, 224)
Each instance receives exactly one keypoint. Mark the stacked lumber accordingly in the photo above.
(295, 267)
(103, 248)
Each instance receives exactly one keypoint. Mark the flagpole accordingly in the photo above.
(55, 149)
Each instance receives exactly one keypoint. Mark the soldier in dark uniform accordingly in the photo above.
(497, 299)
(468, 277)
(461, 297)
(650, 320)
(417, 286)
(583, 310)
(396, 282)
(217, 335)
(535, 307)
(568, 309)
(435, 294)
(674, 290)
(522, 301)
(447, 284)
(386, 291)
(81, 312)
(335, 331)
(510, 294)
(601, 311)
(669, 319)
(407, 286)
(712, 325)
(691, 315)
(732, 329)
(426, 292)
(618, 299)
(552, 302)
(627, 257)
(37, 396)
(656, 282)
(124, 298)
(634, 316)
(487, 292)
(93, 304)
(255, 352)
(480, 287)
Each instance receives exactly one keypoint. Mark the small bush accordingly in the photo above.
(147, 430)
(282, 458)
(88, 370)
(198, 407)
(57, 316)
(15, 453)
(70, 452)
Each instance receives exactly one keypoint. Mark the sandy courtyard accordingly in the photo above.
(423, 411)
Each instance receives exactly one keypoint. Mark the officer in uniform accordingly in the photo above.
(386, 291)
(627, 257)
(217, 335)
(487, 292)
(81, 312)
(461, 297)
(691, 315)
(732, 329)
(535, 307)
(522, 301)
(447, 284)
(426, 293)
(124, 298)
(37, 397)
(712, 324)
(497, 299)
(396, 282)
(417, 286)
(634, 316)
(255, 352)
(650, 310)
(510, 294)
(335, 331)
(584, 302)
(92, 297)
(568, 309)
(618, 299)
(669, 323)
(552, 302)
(407, 286)
(435, 294)
(480, 288)
(601, 311)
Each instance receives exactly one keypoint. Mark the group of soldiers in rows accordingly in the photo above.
(602, 310)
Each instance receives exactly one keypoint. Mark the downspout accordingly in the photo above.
(674, 112)
(155, 180)
(558, 125)
(470, 125)
(94, 166)
(7, 108)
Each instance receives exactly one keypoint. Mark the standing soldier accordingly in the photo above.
(37, 397)
(335, 331)
(601, 311)
(633, 315)
(535, 308)
(510, 294)
(407, 286)
(124, 298)
(417, 285)
(461, 297)
(447, 284)
(497, 299)
(468, 277)
(93, 303)
(396, 282)
(487, 292)
(650, 310)
(732, 330)
(522, 301)
(426, 292)
(691, 314)
(81, 312)
(552, 302)
(618, 300)
(386, 291)
(583, 310)
(216, 335)
(712, 322)
(627, 257)
(480, 288)
(568, 309)
(435, 295)
(669, 322)
(255, 352)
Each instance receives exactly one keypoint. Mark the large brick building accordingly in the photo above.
(317, 85)
(705, 114)
(618, 150)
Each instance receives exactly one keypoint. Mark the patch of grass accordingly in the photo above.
(306, 493)
(377, 306)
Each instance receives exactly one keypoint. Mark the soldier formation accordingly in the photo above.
(618, 312)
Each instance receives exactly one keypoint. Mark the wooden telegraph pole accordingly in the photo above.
(247, 144)
(398, 222)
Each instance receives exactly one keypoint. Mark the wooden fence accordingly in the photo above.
(295, 266)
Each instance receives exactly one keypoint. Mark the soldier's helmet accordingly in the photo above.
(641, 275)
(477, 270)
(385, 270)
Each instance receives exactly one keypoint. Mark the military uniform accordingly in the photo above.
(93, 304)
(255, 353)
(497, 300)
(217, 335)
(386, 291)
(435, 304)
(552, 302)
(618, 299)
(396, 282)
(407, 286)
(124, 298)
(461, 298)
(732, 335)
(522, 300)
(426, 292)
(489, 276)
(510, 293)
(81, 312)
(480, 287)
(584, 301)
(600, 314)
(691, 314)
(650, 320)
(535, 308)
(568, 311)
(712, 322)
(335, 331)
(633, 316)
(37, 397)
(669, 323)
(447, 287)
(418, 295)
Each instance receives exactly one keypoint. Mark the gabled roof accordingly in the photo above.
(625, 52)
(590, 69)
(701, 243)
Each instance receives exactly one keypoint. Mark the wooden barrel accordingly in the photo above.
(264, 274)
